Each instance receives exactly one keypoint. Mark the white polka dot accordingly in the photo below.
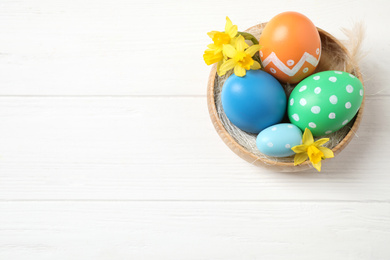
(317, 90)
(316, 77)
(287, 146)
(318, 51)
(291, 102)
(289, 126)
(315, 109)
(332, 79)
(295, 117)
(345, 122)
(328, 132)
(332, 115)
(270, 144)
(348, 105)
(312, 125)
(290, 62)
(261, 54)
(303, 88)
(305, 70)
(273, 128)
(361, 92)
(349, 88)
(333, 99)
(272, 70)
(302, 102)
(338, 72)
(352, 76)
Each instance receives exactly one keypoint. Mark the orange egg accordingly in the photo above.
(291, 47)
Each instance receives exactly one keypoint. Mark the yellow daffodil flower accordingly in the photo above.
(221, 38)
(312, 150)
(240, 57)
(214, 52)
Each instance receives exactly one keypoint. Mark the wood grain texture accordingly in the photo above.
(194, 230)
(107, 151)
(118, 47)
(165, 148)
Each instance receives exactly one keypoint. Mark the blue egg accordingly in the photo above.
(277, 140)
(253, 102)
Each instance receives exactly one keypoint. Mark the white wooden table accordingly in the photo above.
(107, 150)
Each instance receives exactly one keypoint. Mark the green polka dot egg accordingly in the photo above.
(325, 102)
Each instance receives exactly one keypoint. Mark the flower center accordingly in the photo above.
(314, 154)
(244, 60)
(221, 38)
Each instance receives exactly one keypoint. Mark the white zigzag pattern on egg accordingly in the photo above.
(283, 68)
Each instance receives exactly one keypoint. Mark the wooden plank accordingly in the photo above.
(194, 230)
(165, 149)
(121, 47)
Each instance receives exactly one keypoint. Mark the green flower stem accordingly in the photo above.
(249, 37)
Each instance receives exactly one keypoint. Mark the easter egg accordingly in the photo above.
(253, 102)
(277, 140)
(325, 101)
(291, 47)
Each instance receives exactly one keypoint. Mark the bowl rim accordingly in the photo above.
(259, 161)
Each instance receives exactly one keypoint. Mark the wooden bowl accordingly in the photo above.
(329, 43)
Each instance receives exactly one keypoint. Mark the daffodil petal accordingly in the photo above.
(212, 33)
(219, 67)
(229, 50)
(321, 142)
(241, 45)
(255, 65)
(299, 148)
(233, 41)
(228, 24)
(307, 138)
(253, 49)
(232, 31)
(214, 48)
(239, 71)
(227, 65)
(326, 151)
(300, 158)
(317, 166)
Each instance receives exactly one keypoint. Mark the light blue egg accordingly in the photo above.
(277, 140)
